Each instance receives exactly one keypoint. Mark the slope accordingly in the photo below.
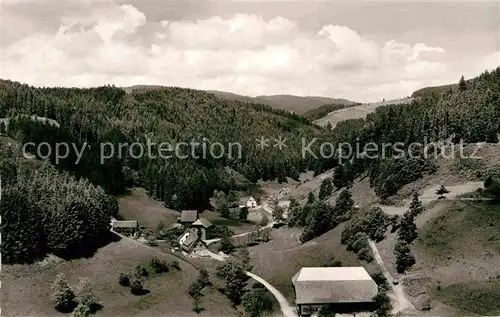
(356, 112)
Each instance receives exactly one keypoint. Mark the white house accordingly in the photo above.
(251, 203)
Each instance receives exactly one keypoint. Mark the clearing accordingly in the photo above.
(137, 205)
(357, 112)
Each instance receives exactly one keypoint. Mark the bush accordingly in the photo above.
(157, 266)
(383, 304)
(87, 297)
(256, 302)
(381, 281)
(136, 287)
(123, 279)
(226, 245)
(365, 254)
(264, 221)
(175, 265)
(221, 231)
(204, 277)
(358, 242)
(81, 310)
(62, 294)
(141, 271)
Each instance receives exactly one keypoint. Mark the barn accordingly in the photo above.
(344, 289)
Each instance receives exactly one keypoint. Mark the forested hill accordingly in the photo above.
(470, 111)
(173, 115)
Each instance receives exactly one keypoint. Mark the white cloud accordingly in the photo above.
(244, 54)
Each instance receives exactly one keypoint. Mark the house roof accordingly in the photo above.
(322, 285)
(203, 223)
(251, 199)
(125, 224)
(189, 215)
(191, 238)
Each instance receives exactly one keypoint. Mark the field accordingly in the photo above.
(235, 225)
(356, 112)
(482, 298)
(136, 205)
(279, 259)
(25, 289)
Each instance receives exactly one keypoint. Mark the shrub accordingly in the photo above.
(264, 221)
(141, 271)
(243, 214)
(62, 294)
(136, 287)
(365, 254)
(383, 304)
(81, 310)
(226, 245)
(204, 277)
(157, 266)
(175, 265)
(123, 279)
(358, 242)
(381, 281)
(87, 297)
(256, 302)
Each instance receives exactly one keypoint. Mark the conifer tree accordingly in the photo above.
(462, 85)
(325, 189)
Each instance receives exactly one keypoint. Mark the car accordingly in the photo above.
(395, 282)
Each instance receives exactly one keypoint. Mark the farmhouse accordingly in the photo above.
(125, 227)
(189, 240)
(204, 228)
(188, 217)
(344, 289)
(251, 203)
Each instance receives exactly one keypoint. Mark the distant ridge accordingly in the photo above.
(297, 104)
(293, 103)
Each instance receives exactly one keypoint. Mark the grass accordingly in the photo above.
(25, 288)
(234, 224)
(136, 205)
(461, 227)
(482, 298)
(278, 260)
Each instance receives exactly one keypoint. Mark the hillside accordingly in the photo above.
(299, 104)
(356, 112)
(295, 104)
(165, 115)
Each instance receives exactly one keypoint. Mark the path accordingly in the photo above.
(399, 301)
(429, 195)
(287, 309)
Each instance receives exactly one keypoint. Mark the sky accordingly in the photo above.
(360, 50)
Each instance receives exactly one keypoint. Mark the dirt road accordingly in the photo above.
(399, 301)
(286, 308)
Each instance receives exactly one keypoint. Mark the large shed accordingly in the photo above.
(346, 289)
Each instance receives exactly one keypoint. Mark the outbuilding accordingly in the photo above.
(344, 289)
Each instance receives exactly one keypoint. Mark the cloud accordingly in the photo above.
(116, 44)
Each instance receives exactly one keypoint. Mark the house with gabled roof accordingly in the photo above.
(204, 227)
(188, 217)
(125, 227)
(343, 289)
